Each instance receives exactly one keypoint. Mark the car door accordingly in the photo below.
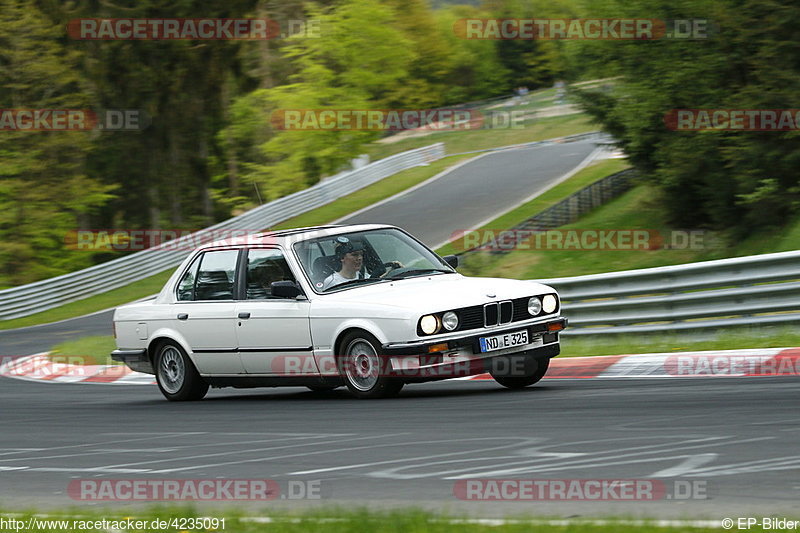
(274, 333)
(205, 312)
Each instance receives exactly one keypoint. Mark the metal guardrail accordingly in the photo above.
(46, 294)
(742, 291)
(570, 208)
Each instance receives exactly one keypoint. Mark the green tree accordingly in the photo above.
(45, 191)
(738, 180)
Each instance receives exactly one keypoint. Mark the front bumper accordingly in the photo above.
(136, 360)
(459, 356)
(460, 340)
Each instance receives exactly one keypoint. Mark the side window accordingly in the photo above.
(216, 275)
(186, 284)
(264, 267)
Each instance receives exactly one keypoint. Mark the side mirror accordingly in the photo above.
(451, 260)
(285, 289)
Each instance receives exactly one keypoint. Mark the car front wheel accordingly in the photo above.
(518, 382)
(364, 369)
(176, 375)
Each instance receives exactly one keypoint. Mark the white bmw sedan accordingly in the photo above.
(367, 306)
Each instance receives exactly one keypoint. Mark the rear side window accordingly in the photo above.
(212, 278)
(186, 286)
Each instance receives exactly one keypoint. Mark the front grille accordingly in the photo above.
(506, 312)
(470, 317)
(521, 309)
(493, 314)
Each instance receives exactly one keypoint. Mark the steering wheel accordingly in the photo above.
(392, 265)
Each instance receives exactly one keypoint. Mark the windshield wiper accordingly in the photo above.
(353, 282)
(419, 271)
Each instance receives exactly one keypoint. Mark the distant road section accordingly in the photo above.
(475, 192)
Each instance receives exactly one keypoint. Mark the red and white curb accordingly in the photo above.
(718, 363)
(40, 367)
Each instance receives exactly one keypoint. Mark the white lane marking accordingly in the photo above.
(98, 470)
(145, 450)
(393, 473)
(12, 451)
(91, 444)
(389, 461)
(607, 460)
(775, 463)
(691, 462)
(305, 454)
(238, 452)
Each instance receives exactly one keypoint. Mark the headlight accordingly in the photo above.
(429, 324)
(450, 321)
(534, 306)
(549, 303)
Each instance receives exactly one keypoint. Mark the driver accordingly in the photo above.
(351, 254)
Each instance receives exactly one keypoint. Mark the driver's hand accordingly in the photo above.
(394, 264)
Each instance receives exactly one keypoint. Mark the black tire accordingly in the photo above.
(363, 368)
(176, 375)
(519, 382)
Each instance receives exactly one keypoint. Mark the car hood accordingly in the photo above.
(441, 292)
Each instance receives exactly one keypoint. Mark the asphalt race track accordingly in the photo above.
(458, 200)
(735, 437)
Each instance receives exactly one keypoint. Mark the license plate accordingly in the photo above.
(506, 340)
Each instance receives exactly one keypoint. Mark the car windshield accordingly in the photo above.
(348, 260)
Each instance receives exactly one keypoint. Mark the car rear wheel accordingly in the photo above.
(518, 382)
(176, 375)
(363, 367)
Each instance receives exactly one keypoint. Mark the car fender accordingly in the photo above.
(164, 332)
(367, 325)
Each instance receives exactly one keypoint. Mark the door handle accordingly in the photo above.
(244, 314)
(183, 316)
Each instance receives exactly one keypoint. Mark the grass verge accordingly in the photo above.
(95, 350)
(338, 521)
(638, 209)
(464, 141)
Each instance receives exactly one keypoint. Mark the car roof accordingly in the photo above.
(289, 236)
